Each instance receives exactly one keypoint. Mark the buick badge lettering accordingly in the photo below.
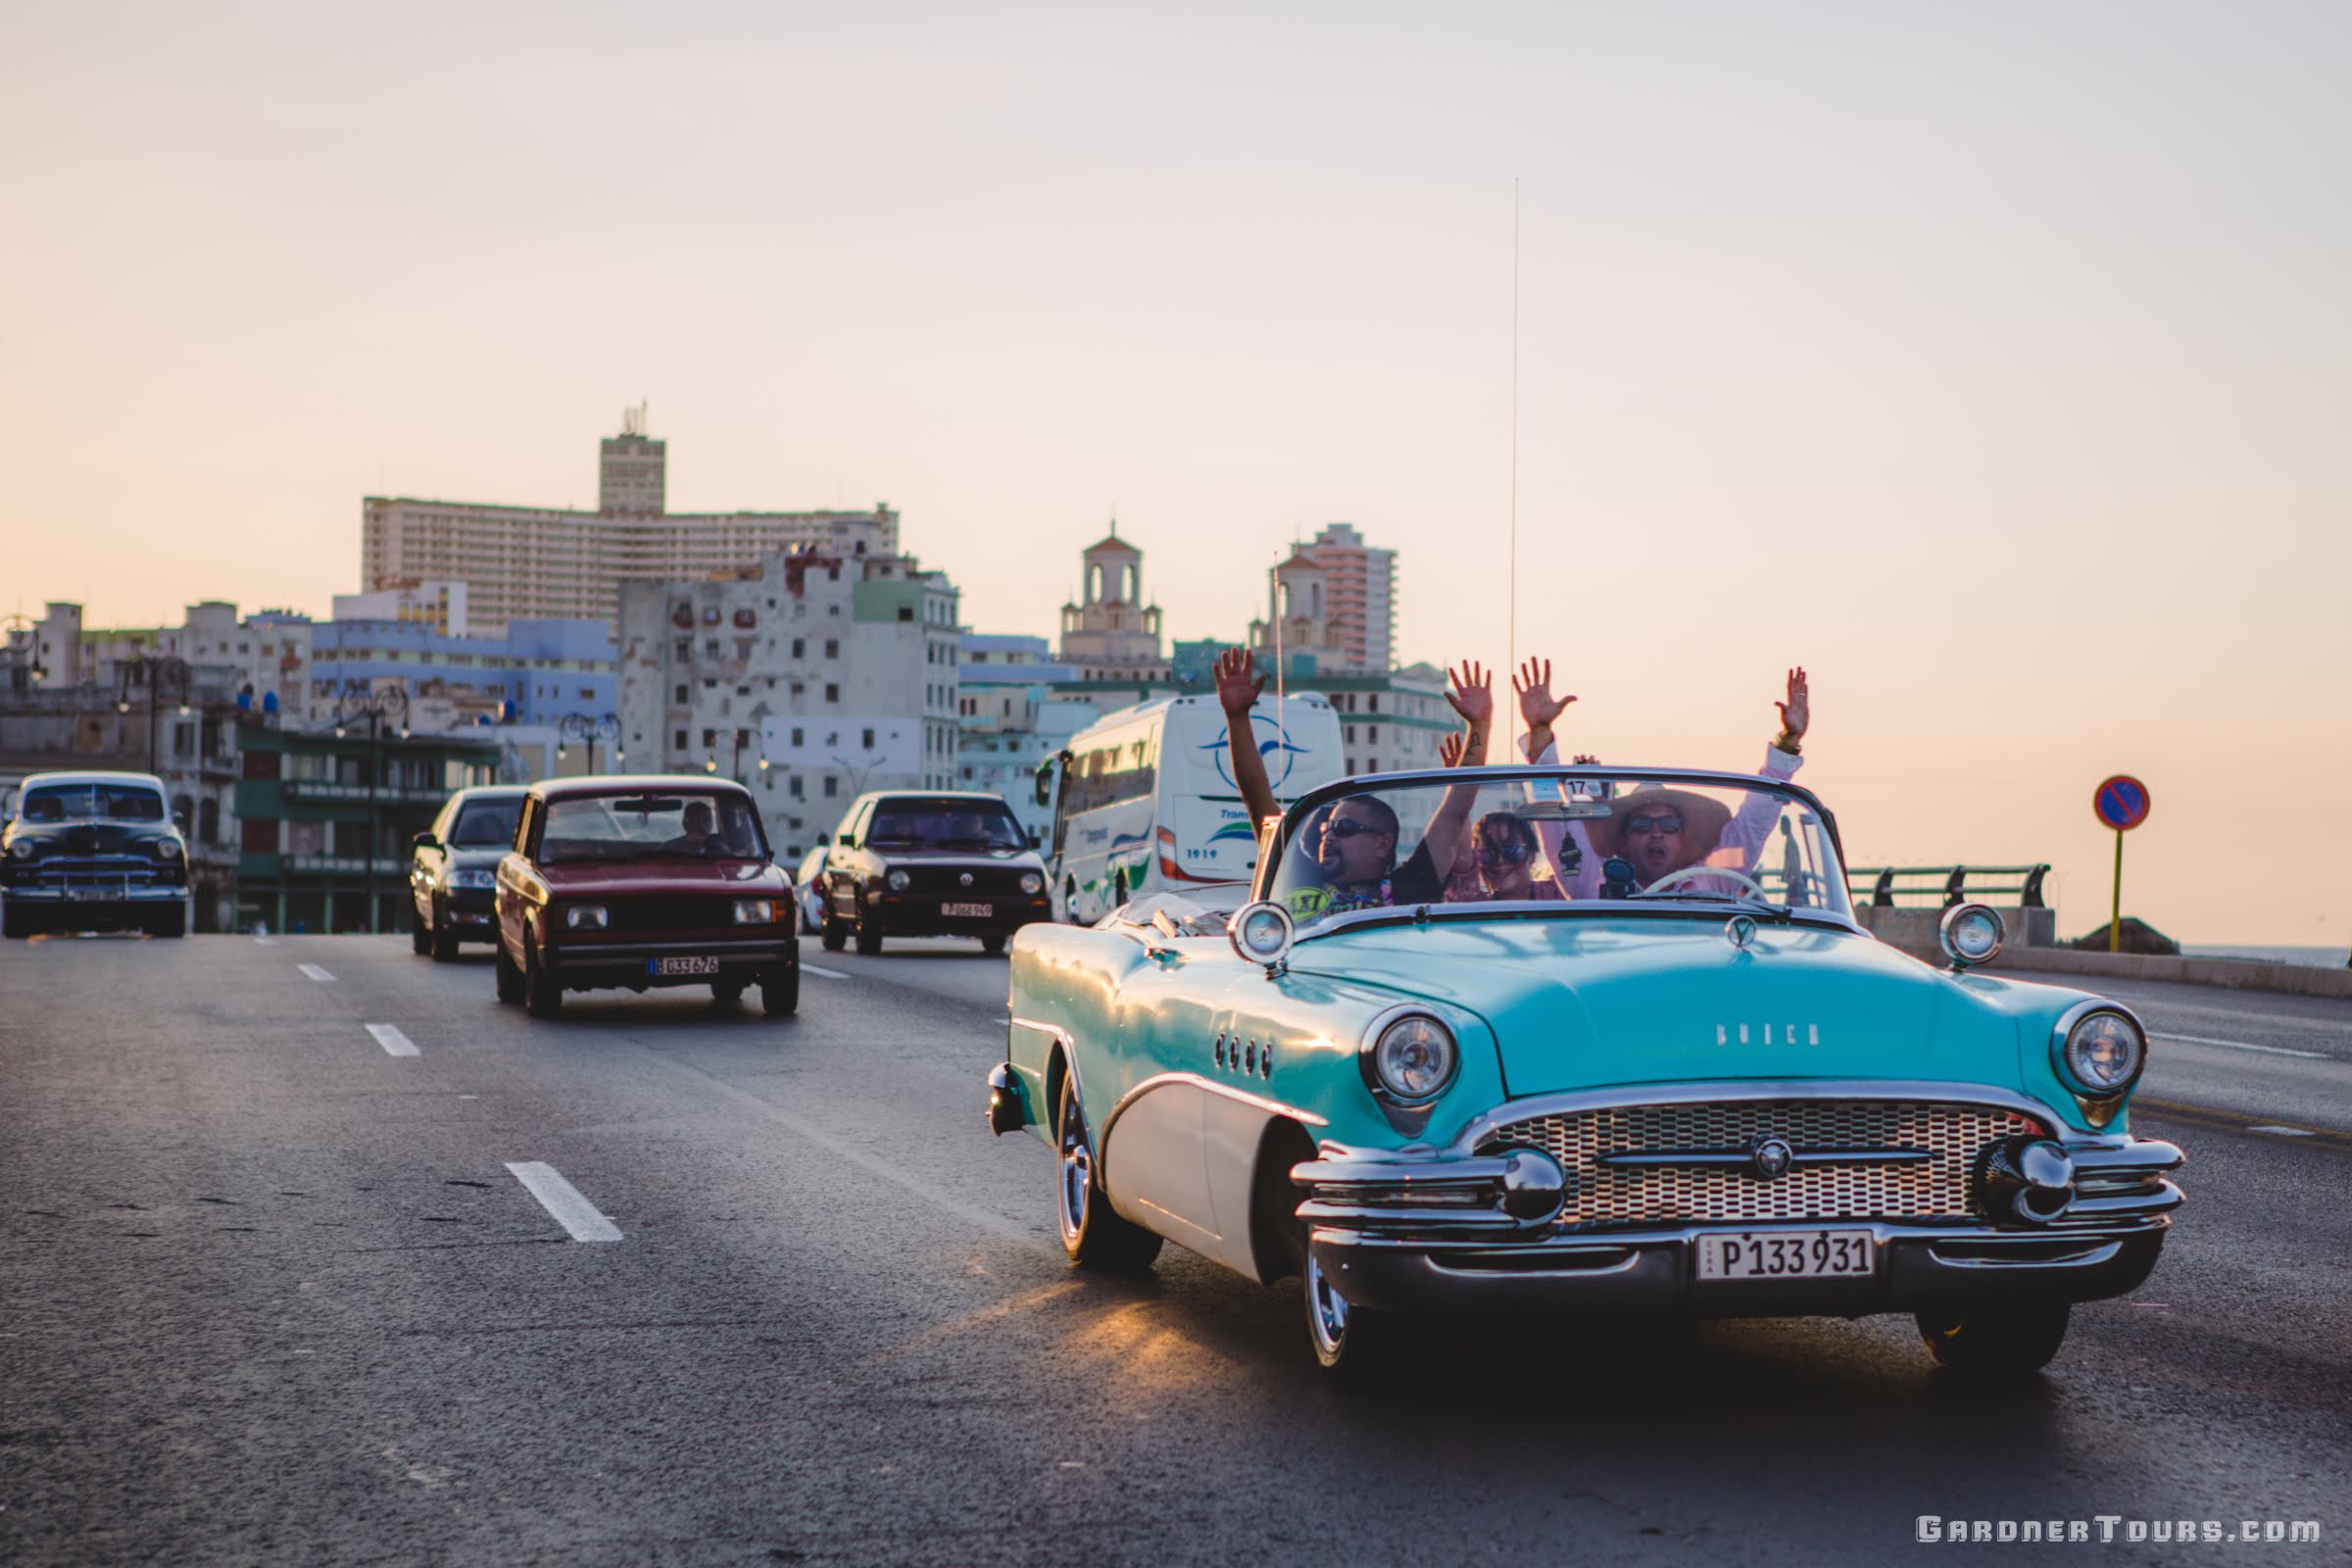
(1770, 1157)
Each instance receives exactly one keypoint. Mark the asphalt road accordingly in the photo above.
(271, 1293)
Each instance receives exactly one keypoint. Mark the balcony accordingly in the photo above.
(319, 789)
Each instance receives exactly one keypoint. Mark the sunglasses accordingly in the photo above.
(1348, 827)
(1511, 854)
(1671, 822)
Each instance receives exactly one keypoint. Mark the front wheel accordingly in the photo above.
(1995, 1342)
(780, 990)
(542, 993)
(869, 940)
(992, 944)
(1092, 1235)
(1353, 1343)
(173, 922)
(834, 934)
(15, 924)
(445, 935)
(509, 978)
(420, 937)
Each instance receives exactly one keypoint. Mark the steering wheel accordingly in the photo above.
(1693, 872)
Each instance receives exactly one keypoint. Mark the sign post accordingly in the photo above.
(2122, 804)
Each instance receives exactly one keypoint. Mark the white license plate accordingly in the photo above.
(681, 966)
(1787, 1255)
(88, 895)
(971, 911)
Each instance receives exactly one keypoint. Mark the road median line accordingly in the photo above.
(570, 1207)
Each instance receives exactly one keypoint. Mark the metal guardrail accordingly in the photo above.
(1950, 883)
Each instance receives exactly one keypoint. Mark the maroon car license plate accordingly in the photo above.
(967, 912)
(681, 966)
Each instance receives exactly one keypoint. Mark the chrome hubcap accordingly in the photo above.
(1077, 1177)
(1326, 1308)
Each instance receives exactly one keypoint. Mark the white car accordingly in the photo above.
(808, 887)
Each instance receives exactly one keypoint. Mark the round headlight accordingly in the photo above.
(1415, 1057)
(1262, 932)
(167, 849)
(2102, 1052)
(1031, 882)
(23, 849)
(898, 881)
(1970, 933)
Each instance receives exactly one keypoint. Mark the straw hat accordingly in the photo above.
(1703, 820)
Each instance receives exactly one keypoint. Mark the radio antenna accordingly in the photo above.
(1512, 664)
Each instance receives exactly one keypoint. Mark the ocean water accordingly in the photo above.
(2309, 958)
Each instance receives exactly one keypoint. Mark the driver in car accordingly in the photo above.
(1354, 843)
(694, 837)
(1653, 832)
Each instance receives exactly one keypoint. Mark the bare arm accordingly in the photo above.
(1472, 696)
(1237, 687)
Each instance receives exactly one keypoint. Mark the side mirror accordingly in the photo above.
(1037, 840)
(424, 841)
(823, 839)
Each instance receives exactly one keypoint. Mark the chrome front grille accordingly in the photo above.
(92, 871)
(1950, 1133)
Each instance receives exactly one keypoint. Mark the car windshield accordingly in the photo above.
(1573, 837)
(945, 825)
(89, 802)
(483, 825)
(652, 828)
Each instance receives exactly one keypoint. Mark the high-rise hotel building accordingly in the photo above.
(548, 563)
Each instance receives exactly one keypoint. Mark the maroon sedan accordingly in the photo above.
(630, 883)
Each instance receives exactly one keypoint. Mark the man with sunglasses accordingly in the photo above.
(1661, 831)
(1353, 843)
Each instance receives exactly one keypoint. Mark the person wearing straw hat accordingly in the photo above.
(1657, 829)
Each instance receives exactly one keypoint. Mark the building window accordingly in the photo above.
(832, 648)
(710, 648)
(1372, 703)
(682, 694)
(868, 742)
(832, 692)
(791, 786)
(710, 739)
(797, 741)
(1372, 735)
(799, 648)
(683, 650)
(831, 786)
(906, 611)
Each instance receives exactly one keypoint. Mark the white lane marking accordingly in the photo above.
(2243, 1044)
(314, 971)
(395, 1043)
(265, 941)
(563, 1200)
(2283, 1132)
(827, 974)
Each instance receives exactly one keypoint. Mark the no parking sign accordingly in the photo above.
(2122, 804)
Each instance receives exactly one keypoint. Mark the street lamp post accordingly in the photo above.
(579, 726)
(152, 671)
(376, 707)
(735, 756)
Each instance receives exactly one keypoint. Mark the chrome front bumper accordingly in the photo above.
(1434, 1230)
(94, 896)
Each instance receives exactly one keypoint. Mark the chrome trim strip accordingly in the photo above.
(1587, 908)
(1274, 1108)
(1882, 1234)
(1706, 1158)
(1572, 1102)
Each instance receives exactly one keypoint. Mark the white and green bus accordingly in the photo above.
(1145, 799)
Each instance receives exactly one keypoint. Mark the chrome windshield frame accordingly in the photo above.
(1261, 885)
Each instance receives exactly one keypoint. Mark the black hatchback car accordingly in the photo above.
(932, 862)
(453, 869)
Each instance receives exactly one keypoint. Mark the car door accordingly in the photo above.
(845, 863)
(425, 863)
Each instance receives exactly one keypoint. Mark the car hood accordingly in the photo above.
(682, 875)
(954, 859)
(1590, 1001)
(473, 858)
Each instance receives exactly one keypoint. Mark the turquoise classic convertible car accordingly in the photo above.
(1667, 1072)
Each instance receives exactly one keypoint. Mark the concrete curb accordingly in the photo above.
(2236, 974)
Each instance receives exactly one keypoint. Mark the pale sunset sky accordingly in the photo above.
(1989, 359)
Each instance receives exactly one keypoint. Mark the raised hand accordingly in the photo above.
(1238, 681)
(1451, 748)
(1536, 704)
(1473, 694)
(1798, 711)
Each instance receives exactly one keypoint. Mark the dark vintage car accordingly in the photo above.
(931, 863)
(635, 882)
(452, 870)
(92, 852)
